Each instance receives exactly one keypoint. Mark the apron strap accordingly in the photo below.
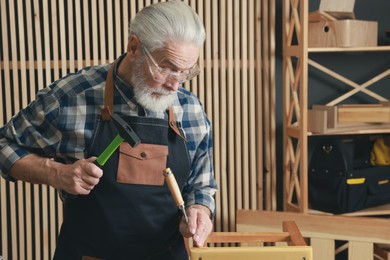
(172, 123)
(108, 95)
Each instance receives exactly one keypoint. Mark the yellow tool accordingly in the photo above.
(175, 191)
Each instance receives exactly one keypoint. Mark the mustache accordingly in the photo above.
(162, 91)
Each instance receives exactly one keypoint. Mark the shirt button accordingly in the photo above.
(143, 154)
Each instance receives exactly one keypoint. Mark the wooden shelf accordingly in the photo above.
(351, 49)
(379, 130)
(296, 63)
(294, 131)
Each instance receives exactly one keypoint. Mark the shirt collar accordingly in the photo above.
(126, 91)
(122, 86)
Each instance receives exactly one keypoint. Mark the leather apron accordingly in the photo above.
(130, 214)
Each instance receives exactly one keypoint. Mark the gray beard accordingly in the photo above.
(143, 93)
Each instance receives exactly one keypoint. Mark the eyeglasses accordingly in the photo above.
(161, 75)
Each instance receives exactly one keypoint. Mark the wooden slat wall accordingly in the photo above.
(41, 41)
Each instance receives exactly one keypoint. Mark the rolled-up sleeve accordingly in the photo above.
(32, 130)
(201, 186)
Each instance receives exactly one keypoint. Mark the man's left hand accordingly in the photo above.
(199, 224)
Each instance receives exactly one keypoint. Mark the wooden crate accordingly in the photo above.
(324, 119)
(295, 248)
(363, 113)
(334, 25)
(343, 33)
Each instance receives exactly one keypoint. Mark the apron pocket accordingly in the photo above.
(143, 164)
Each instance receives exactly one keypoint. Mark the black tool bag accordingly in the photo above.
(341, 178)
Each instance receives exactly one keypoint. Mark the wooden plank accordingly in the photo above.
(46, 75)
(375, 230)
(14, 57)
(119, 35)
(109, 35)
(22, 218)
(79, 35)
(216, 106)
(46, 42)
(39, 252)
(13, 221)
(266, 104)
(296, 238)
(272, 91)
(87, 33)
(4, 219)
(45, 216)
(194, 84)
(71, 35)
(207, 99)
(249, 237)
(223, 190)
(94, 33)
(13, 188)
(252, 253)
(125, 21)
(63, 40)
(22, 51)
(51, 217)
(259, 108)
(237, 107)
(133, 9)
(323, 249)
(32, 86)
(252, 23)
(55, 45)
(244, 110)
(230, 111)
(202, 63)
(367, 113)
(102, 31)
(358, 250)
(317, 121)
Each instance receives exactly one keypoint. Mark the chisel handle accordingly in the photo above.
(173, 187)
(175, 191)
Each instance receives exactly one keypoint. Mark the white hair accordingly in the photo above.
(165, 22)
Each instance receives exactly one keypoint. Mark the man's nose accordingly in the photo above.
(172, 84)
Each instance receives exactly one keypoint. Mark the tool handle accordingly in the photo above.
(173, 187)
(110, 149)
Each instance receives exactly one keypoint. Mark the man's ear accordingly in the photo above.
(133, 44)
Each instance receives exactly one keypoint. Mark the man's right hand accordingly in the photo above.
(78, 178)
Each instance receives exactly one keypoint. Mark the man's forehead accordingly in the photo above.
(178, 54)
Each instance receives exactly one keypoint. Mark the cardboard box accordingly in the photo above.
(334, 25)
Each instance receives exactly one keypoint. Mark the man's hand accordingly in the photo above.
(78, 178)
(199, 224)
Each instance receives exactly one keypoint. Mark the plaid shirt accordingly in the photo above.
(60, 123)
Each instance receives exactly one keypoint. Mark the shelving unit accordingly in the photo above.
(296, 62)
